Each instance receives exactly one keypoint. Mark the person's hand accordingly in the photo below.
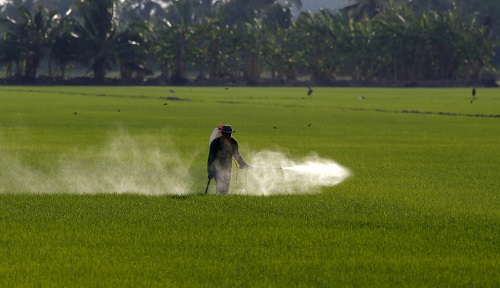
(210, 176)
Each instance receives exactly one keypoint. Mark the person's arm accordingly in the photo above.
(237, 156)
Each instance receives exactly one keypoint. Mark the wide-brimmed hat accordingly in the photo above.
(227, 129)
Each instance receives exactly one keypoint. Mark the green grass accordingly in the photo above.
(420, 210)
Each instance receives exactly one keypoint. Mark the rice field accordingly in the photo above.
(104, 187)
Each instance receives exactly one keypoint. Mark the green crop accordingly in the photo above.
(103, 187)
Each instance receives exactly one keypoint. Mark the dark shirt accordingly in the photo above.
(221, 156)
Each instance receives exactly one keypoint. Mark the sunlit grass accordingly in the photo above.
(421, 208)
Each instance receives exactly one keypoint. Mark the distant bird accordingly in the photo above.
(165, 104)
(473, 94)
(309, 91)
(172, 91)
(361, 97)
(309, 125)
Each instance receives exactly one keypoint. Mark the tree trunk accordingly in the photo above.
(181, 66)
(215, 66)
(99, 70)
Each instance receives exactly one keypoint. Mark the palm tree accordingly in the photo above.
(426, 5)
(279, 60)
(368, 8)
(131, 47)
(96, 28)
(102, 40)
(149, 11)
(30, 35)
(182, 15)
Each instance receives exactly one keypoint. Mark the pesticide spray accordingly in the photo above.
(144, 166)
(275, 174)
(122, 165)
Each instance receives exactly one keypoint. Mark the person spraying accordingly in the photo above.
(223, 149)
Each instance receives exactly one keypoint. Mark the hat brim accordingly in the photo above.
(228, 132)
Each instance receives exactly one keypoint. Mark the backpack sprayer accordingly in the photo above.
(216, 133)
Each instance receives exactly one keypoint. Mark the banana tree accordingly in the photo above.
(11, 55)
(319, 44)
(164, 47)
(203, 40)
(361, 9)
(398, 38)
(430, 46)
(278, 26)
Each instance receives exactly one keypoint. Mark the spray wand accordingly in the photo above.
(206, 189)
(268, 168)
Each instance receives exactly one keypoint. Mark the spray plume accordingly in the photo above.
(123, 165)
(275, 174)
(138, 166)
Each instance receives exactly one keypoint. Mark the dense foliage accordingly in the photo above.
(243, 40)
(420, 210)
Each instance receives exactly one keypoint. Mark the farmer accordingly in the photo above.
(222, 151)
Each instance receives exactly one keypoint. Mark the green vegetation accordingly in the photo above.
(421, 208)
(243, 40)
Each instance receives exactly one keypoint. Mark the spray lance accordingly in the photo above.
(208, 184)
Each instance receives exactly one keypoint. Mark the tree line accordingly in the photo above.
(242, 40)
